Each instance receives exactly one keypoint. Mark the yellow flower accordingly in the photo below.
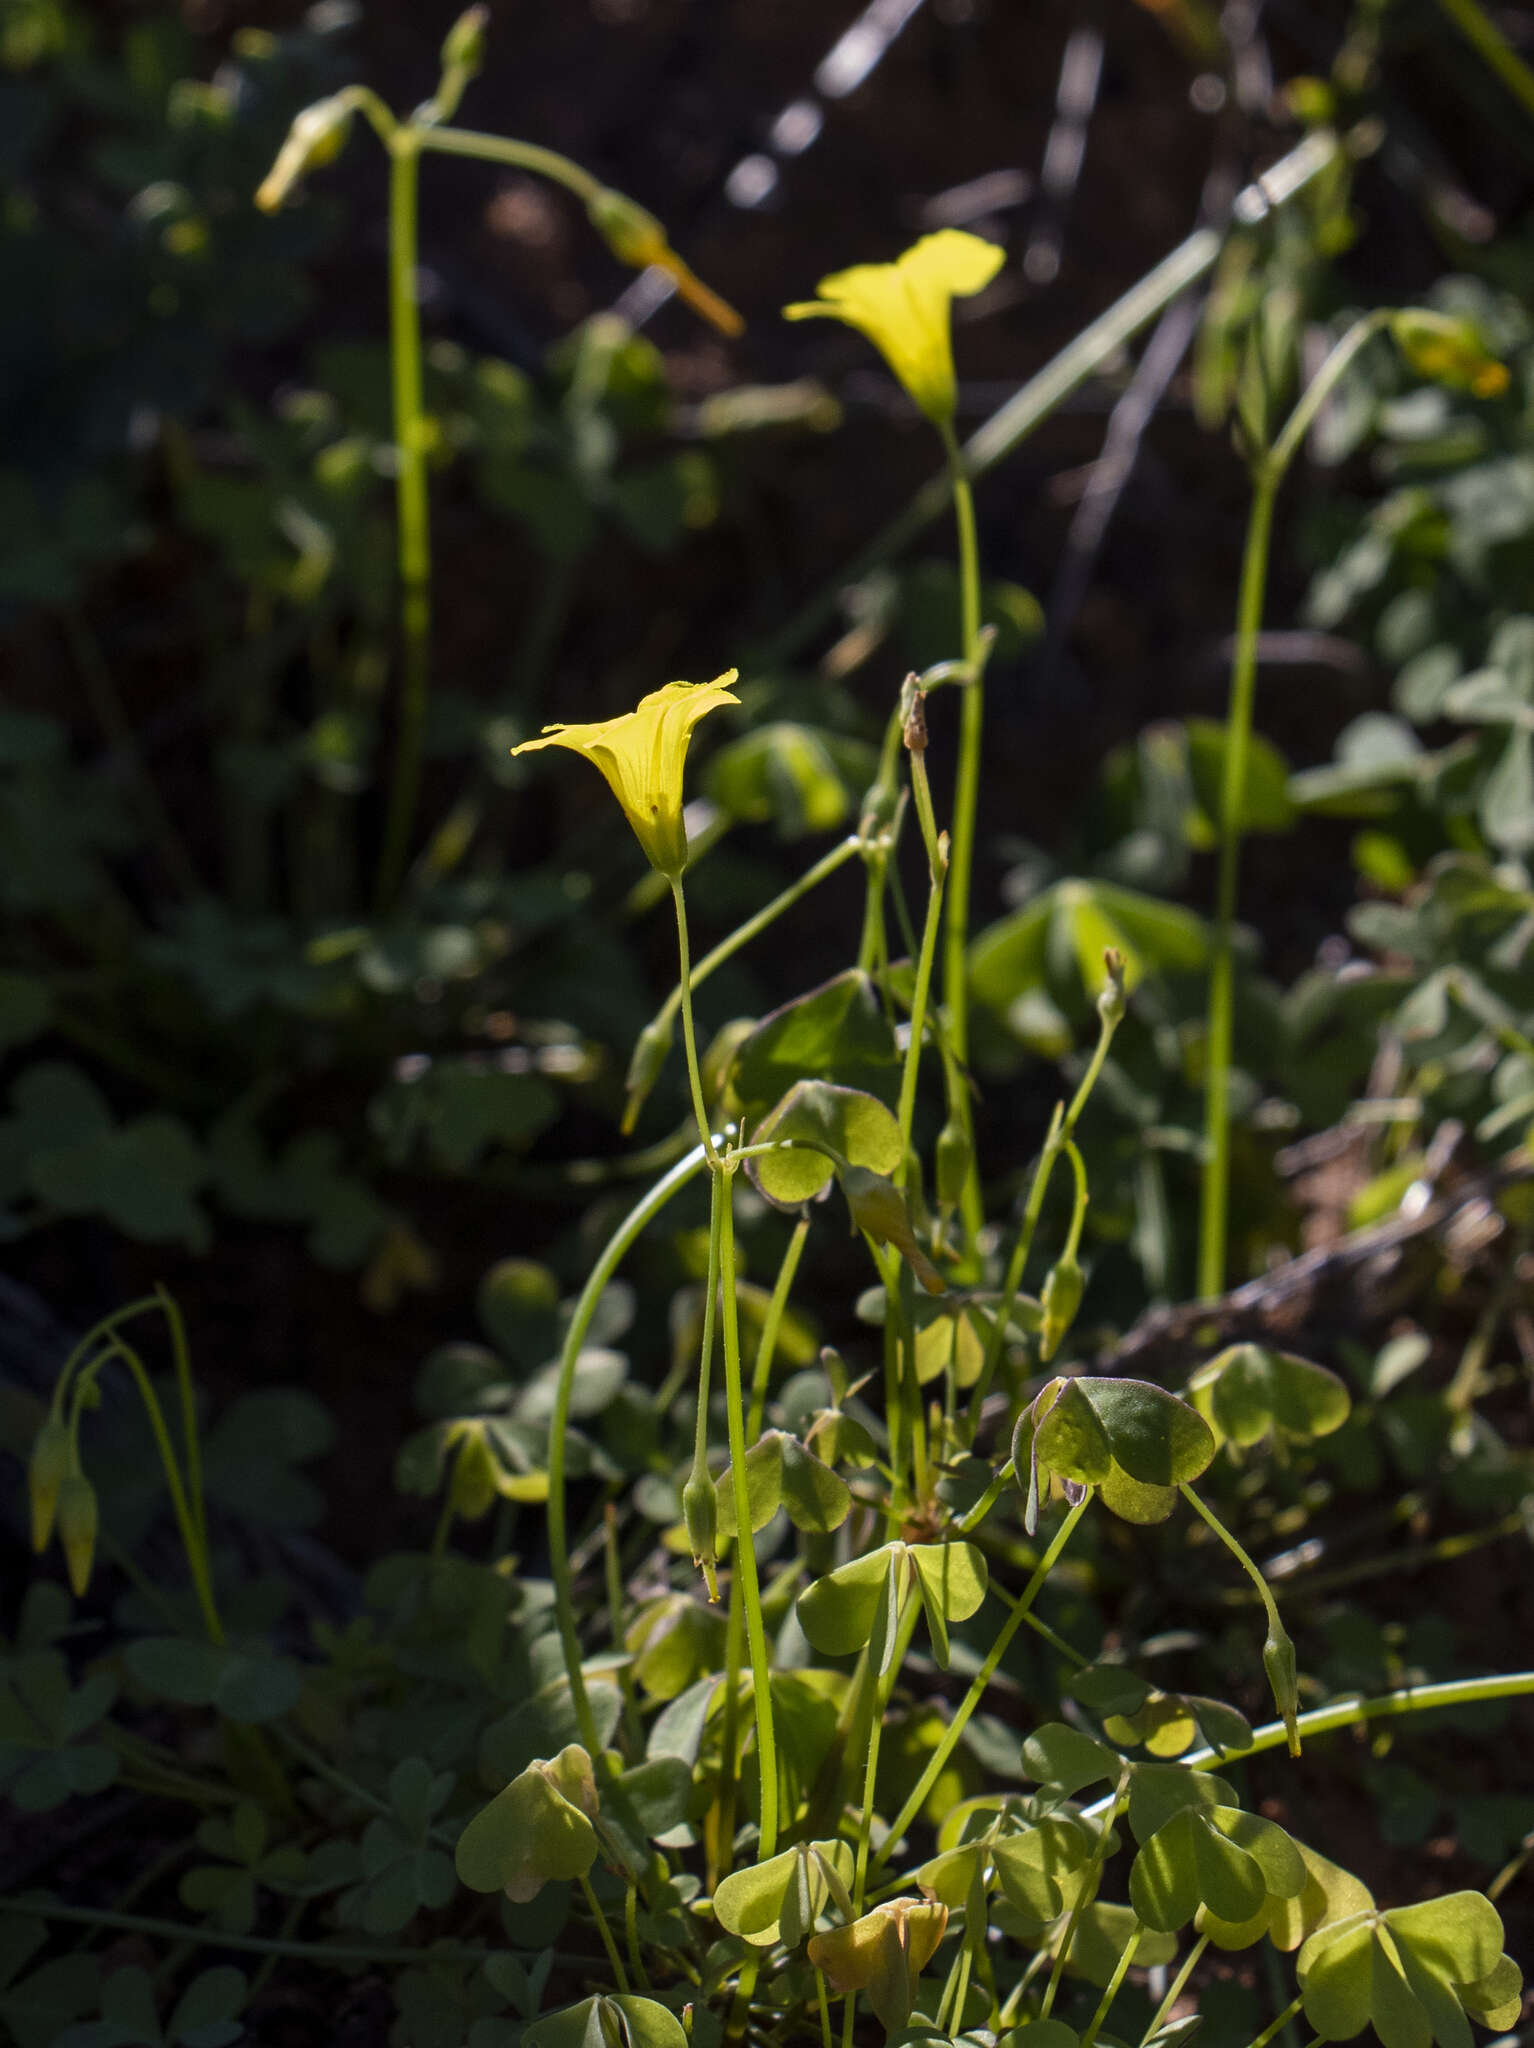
(903, 309)
(642, 754)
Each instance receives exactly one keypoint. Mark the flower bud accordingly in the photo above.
(1448, 351)
(649, 1056)
(1110, 1004)
(77, 1529)
(47, 1468)
(474, 1489)
(955, 1156)
(317, 136)
(1060, 1300)
(634, 235)
(700, 1511)
(1278, 1660)
(463, 48)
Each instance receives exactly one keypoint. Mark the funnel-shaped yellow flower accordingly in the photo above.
(903, 309)
(642, 754)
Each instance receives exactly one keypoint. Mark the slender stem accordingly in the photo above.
(981, 1679)
(191, 1438)
(919, 994)
(825, 2009)
(1482, 33)
(966, 801)
(191, 1538)
(1277, 2026)
(1175, 1990)
(523, 156)
(412, 507)
(644, 1211)
(731, 944)
(718, 1197)
(594, 1907)
(1213, 1217)
(744, 1581)
(1111, 1989)
(772, 1322)
(251, 1944)
(1268, 474)
(1242, 1556)
(1086, 1892)
(689, 1040)
(631, 1934)
(880, 1686)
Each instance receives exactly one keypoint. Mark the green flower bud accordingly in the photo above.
(1449, 352)
(955, 1156)
(634, 235)
(48, 1467)
(463, 48)
(649, 1056)
(700, 1511)
(1060, 1300)
(317, 137)
(78, 1517)
(1278, 1660)
(1110, 1004)
(474, 1489)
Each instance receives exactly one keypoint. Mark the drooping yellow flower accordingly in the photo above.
(903, 308)
(642, 754)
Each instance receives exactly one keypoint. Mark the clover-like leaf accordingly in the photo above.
(1067, 1760)
(621, 2020)
(764, 1486)
(1249, 1391)
(1412, 1972)
(1218, 1857)
(952, 1580)
(536, 1830)
(815, 1498)
(837, 1612)
(1133, 1441)
(1035, 1866)
(780, 1900)
(851, 1123)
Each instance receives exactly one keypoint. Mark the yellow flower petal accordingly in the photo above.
(643, 755)
(903, 308)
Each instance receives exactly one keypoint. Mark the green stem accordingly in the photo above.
(1175, 1990)
(250, 1944)
(689, 1040)
(1483, 35)
(1242, 1556)
(594, 1907)
(191, 1538)
(1215, 1197)
(1277, 2026)
(181, 1356)
(1086, 1892)
(412, 508)
(744, 1583)
(880, 1686)
(1111, 1989)
(911, 1071)
(1268, 473)
(631, 1934)
(522, 156)
(966, 801)
(982, 1678)
(644, 1211)
(772, 1323)
(665, 1017)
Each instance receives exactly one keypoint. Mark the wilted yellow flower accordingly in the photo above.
(638, 239)
(642, 754)
(903, 308)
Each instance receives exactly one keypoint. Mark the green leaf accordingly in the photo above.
(1157, 1791)
(1336, 1976)
(1248, 1390)
(781, 1898)
(1155, 1438)
(1507, 796)
(244, 1685)
(764, 1485)
(536, 1829)
(1035, 1866)
(837, 1033)
(1066, 1760)
(801, 779)
(1164, 1882)
(1460, 1935)
(674, 1641)
(816, 1499)
(837, 1612)
(852, 1123)
(952, 1580)
(1265, 802)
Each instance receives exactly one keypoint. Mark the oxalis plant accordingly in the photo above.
(753, 1772)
